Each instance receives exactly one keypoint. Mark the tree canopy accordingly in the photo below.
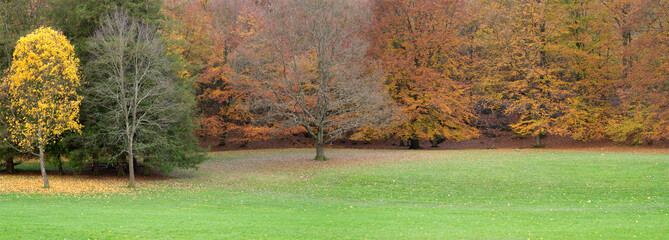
(42, 86)
(311, 71)
(157, 77)
(141, 102)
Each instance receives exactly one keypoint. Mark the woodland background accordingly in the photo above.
(590, 70)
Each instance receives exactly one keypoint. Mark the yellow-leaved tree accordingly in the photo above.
(42, 84)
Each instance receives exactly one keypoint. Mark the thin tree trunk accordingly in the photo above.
(402, 144)
(320, 150)
(96, 168)
(60, 168)
(537, 141)
(42, 167)
(9, 165)
(435, 143)
(131, 166)
(414, 144)
(59, 160)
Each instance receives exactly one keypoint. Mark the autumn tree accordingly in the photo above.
(420, 46)
(306, 67)
(42, 85)
(581, 51)
(205, 33)
(522, 74)
(200, 32)
(141, 102)
(639, 47)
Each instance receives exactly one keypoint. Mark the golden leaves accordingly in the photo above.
(42, 88)
(82, 184)
(66, 184)
(417, 43)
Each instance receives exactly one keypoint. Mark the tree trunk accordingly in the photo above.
(131, 166)
(537, 141)
(414, 143)
(222, 141)
(96, 168)
(320, 151)
(9, 165)
(402, 144)
(119, 168)
(435, 143)
(42, 167)
(60, 167)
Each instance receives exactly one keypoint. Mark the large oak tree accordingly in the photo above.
(307, 67)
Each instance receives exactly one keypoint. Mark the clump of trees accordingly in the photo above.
(584, 69)
(153, 74)
(135, 106)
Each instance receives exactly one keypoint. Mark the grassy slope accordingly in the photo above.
(378, 194)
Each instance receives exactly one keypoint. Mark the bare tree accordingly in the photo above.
(132, 84)
(307, 67)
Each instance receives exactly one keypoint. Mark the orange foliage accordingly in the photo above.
(588, 69)
(205, 32)
(420, 47)
(642, 85)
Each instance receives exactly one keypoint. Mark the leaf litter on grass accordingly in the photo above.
(69, 184)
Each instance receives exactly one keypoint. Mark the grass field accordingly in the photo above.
(369, 194)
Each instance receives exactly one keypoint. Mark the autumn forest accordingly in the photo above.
(334, 119)
(141, 80)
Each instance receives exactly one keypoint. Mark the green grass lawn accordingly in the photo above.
(371, 194)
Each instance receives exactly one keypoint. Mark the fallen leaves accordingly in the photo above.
(69, 184)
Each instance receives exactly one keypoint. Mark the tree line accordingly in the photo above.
(452, 69)
(113, 97)
(424, 70)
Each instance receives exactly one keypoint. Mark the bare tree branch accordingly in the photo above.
(308, 67)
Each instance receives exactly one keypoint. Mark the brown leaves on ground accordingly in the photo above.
(238, 168)
(69, 184)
